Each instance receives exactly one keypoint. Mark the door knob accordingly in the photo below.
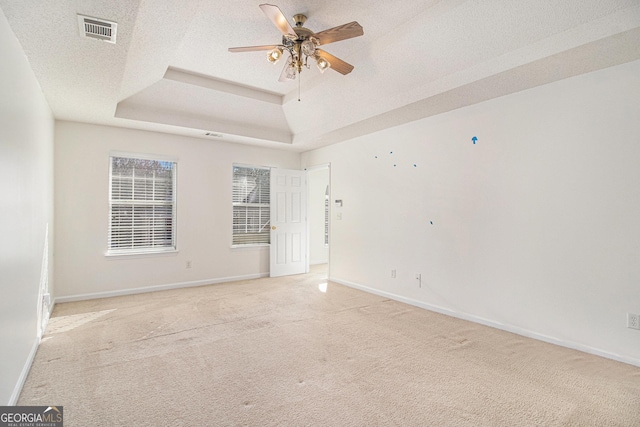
(273, 227)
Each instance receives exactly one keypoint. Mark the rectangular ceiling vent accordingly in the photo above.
(98, 29)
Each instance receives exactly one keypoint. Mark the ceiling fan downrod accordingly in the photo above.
(299, 19)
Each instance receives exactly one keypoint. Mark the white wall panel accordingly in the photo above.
(204, 212)
(533, 228)
(26, 211)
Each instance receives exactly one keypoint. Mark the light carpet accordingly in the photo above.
(279, 352)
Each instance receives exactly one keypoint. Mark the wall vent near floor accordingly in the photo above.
(98, 29)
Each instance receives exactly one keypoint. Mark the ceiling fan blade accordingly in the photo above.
(254, 48)
(341, 32)
(337, 64)
(277, 17)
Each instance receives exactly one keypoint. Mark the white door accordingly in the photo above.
(288, 252)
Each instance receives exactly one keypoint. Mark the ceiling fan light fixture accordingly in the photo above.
(274, 55)
(322, 64)
(308, 48)
(291, 70)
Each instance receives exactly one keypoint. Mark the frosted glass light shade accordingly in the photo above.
(308, 48)
(291, 71)
(322, 63)
(274, 55)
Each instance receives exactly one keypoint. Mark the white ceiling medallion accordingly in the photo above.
(98, 29)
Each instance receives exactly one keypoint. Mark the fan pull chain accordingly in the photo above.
(299, 78)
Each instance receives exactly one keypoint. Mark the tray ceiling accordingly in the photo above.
(170, 70)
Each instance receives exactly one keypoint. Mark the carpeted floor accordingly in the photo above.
(280, 352)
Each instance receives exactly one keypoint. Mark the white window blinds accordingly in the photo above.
(142, 205)
(251, 212)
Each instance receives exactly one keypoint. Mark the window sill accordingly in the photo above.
(256, 246)
(141, 254)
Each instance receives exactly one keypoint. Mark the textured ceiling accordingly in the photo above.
(170, 70)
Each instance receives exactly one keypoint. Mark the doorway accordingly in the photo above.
(319, 214)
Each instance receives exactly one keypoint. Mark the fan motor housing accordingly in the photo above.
(303, 33)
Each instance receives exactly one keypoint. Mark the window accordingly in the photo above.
(142, 203)
(251, 211)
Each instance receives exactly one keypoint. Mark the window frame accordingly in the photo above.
(144, 250)
(234, 244)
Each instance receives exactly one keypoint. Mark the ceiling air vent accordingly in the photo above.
(214, 135)
(98, 29)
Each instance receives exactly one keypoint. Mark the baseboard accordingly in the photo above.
(27, 366)
(23, 375)
(317, 262)
(490, 323)
(133, 291)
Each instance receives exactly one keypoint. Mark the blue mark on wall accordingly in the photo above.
(474, 139)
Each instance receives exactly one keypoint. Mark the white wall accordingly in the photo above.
(318, 182)
(204, 211)
(26, 185)
(536, 228)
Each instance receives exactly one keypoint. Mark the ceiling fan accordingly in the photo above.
(302, 44)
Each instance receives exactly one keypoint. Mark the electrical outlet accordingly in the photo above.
(633, 321)
(419, 279)
(188, 264)
(393, 273)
